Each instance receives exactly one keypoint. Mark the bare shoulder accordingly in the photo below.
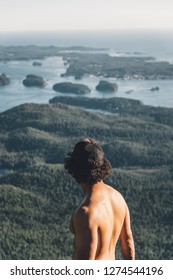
(115, 194)
(116, 200)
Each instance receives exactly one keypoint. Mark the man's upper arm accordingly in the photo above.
(86, 235)
(126, 238)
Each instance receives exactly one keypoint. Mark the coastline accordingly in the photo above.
(57, 66)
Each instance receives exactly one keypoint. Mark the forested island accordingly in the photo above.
(34, 81)
(104, 65)
(38, 197)
(4, 80)
(68, 87)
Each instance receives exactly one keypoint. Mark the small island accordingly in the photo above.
(105, 86)
(154, 89)
(4, 80)
(34, 81)
(68, 87)
(37, 63)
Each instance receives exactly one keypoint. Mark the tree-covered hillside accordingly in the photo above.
(37, 197)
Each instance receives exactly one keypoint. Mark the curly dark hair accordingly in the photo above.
(87, 163)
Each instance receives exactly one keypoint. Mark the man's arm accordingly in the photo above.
(126, 239)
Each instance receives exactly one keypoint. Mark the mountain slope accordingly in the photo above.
(37, 196)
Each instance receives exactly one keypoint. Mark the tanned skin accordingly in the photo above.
(98, 222)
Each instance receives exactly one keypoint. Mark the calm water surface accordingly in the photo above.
(147, 43)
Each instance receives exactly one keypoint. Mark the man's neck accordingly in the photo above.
(88, 188)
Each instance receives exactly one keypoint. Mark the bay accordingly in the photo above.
(157, 43)
(52, 67)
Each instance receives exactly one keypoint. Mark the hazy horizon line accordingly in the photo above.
(89, 30)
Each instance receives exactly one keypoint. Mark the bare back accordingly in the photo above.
(98, 222)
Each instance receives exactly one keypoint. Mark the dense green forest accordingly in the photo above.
(37, 196)
(123, 67)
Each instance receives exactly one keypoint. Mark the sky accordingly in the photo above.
(44, 15)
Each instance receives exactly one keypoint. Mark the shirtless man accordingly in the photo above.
(102, 216)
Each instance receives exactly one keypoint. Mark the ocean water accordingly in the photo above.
(157, 43)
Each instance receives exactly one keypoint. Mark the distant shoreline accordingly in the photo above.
(82, 62)
(87, 66)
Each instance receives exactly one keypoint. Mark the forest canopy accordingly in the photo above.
(37, 196)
